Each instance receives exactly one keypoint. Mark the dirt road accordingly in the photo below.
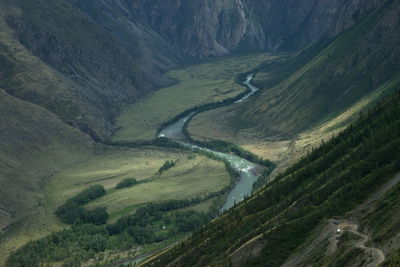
(376, 254)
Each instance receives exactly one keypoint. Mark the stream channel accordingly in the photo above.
(245, 168)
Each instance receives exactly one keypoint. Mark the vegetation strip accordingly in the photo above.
(72, 212)
(153, 223)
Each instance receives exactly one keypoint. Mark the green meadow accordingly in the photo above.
(210, 81)
(193, 176)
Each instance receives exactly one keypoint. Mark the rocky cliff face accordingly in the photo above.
(201, 28)
(296, 23)
(217, 27)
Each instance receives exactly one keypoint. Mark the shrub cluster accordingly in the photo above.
(166, 166)
(72, 211)
(128, 182)
(91, 193)
(152, 223)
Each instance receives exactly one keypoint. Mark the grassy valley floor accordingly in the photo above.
(211, 81)
(192, 176)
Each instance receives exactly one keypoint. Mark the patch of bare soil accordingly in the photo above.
(376, 254)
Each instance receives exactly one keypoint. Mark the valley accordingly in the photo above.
(127, 137)
(312, 95)
(193, 176)
(211, 81)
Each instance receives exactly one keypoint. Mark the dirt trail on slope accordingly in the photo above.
(329, 230)
(377, 254)
(353, 227)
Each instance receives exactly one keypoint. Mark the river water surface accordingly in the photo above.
(247, 169)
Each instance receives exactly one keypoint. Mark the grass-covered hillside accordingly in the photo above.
(31, 138)
(63, 76)
(313, 94)
(361, 60)
(94, 69)
(351, 177)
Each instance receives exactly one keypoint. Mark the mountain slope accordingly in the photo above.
(31, 139)
(324, 86)
(358, 62)
(102, 68)
(267, 228)
(217, 27)
(61, 68)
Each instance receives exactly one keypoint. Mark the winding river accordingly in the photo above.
(247, 169)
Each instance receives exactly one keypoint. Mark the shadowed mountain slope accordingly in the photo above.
(104, 60)
(32, 138)
(361, 60)
(59, 68)
(322, 81)
(217, 27)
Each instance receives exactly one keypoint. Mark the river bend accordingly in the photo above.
(245, 168)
